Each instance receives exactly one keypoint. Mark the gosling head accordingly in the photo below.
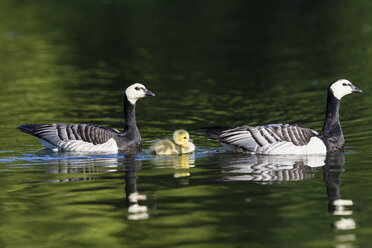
(137, 91)
(343, 87)
(181, 137)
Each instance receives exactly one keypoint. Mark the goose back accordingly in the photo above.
(273, 139)
(78, 137)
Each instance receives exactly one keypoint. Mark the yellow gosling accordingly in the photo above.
(181, 143)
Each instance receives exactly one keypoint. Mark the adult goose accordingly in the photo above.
(92, 137)
(290, 138)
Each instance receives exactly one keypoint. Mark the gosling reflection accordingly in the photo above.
(268, 168)
(180, 163)
(135, 210)
(336, 205)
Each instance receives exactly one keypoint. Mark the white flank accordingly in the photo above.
(315, 146)
(81, 146)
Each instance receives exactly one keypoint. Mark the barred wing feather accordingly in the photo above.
(269, 139)
(79, 137)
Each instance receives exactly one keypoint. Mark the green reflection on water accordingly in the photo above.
(209, 63)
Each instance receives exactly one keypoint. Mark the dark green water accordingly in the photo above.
(209, 63)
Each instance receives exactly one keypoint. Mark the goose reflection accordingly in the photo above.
(135, 210)
(269, 168)
(91, 167)
(336, 204)
(86, 167)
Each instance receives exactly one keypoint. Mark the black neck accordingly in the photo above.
(332, 127)
(129, 115)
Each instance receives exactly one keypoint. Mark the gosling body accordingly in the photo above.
(180, 144)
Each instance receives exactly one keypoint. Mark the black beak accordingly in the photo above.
(148, 93)
(356, 90)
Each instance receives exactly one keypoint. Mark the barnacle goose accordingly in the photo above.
(92, 137)
(290, 138)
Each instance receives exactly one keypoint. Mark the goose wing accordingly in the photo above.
(214, 132)
(267, 138)
(71, 137)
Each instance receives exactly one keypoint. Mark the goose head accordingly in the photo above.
(343, 87)
(181, 137)
(137, 91)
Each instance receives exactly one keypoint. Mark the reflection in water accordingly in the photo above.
(331, 174)
(236, 167)
(268, 168)
(83, 165)
(181, 164)
(135, 211)
(336, 205)
(87, 167)
(263, 169)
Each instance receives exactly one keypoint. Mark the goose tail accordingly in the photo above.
(29, 128)
(214, 132)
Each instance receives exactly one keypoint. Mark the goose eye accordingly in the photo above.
(137, 88)
(184, 137)
(344, 84)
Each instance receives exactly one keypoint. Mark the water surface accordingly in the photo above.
(209, 63)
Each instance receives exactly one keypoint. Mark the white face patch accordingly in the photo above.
(135, 92)
(341, 88)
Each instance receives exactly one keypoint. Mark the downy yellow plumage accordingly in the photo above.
(181, 143)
